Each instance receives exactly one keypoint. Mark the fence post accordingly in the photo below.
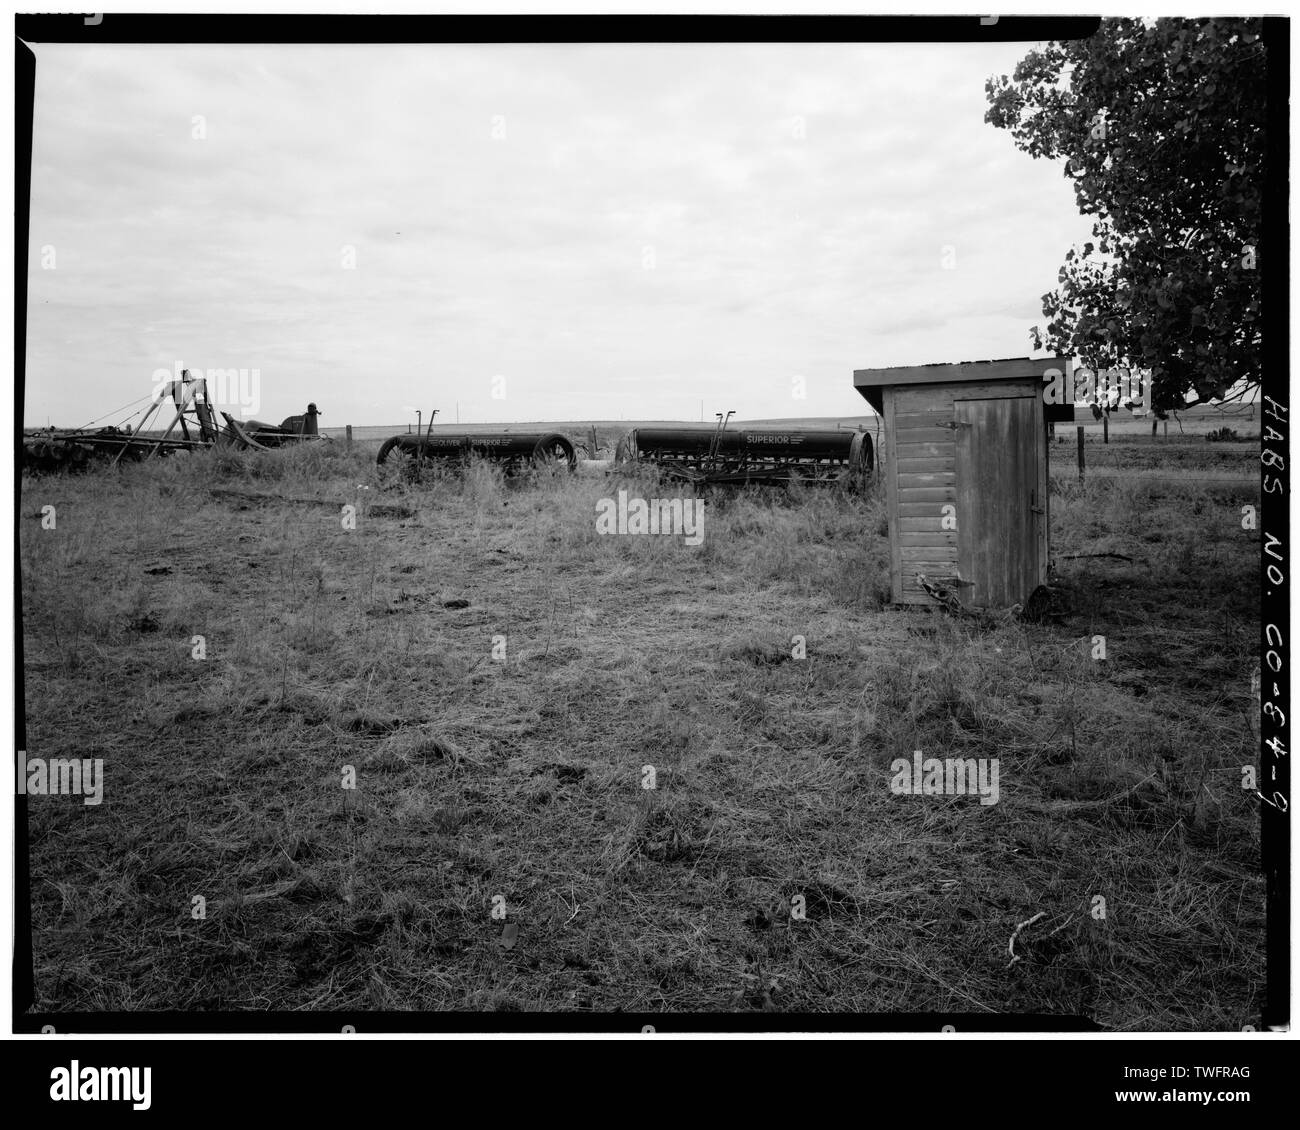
(1105, 428)
(1080, 431)
(349, 437)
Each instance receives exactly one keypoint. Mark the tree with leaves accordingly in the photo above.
(1161, 124)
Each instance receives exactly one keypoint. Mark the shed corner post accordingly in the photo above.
(891, 495)
(1045, 494)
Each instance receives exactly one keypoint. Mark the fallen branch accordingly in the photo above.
(1062, 926)
(1011, 942)
(1075, 556)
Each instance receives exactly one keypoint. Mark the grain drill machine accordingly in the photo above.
(750, 456)
(516, 451)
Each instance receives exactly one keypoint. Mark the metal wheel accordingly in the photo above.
(861, 462)
(399, 458)
(556, 452)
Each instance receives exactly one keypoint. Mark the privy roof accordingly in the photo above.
(869, 382)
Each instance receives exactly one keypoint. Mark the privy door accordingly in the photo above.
(1001, 511)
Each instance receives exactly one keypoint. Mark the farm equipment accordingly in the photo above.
(255, 434)
(750, 456)
(515, 450)
(194, 415)
(53, 449)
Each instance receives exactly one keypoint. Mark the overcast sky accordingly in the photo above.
(615, 231)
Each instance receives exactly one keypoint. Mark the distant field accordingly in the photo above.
(498, 676)
(1191, 427)
(606, 429)
(1195, 423)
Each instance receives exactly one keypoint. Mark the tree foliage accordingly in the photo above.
(1161, 124)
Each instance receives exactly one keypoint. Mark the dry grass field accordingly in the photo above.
(515, 780)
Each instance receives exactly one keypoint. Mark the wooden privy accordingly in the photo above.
(966, 476)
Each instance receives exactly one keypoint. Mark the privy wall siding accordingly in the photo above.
(921, 462)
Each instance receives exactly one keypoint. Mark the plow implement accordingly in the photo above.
(193, 424)
(54, 449)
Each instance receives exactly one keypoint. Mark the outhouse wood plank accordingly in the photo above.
(912, 480)
(925, 524)
(909, 540)
(930, 566)
(943, 575)
(908, 448)
(930, 494)
(933, 551)
(934, 398)
(934, 418)
(930, 466)
(926, 434)
(942, 571)
(926, 508)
